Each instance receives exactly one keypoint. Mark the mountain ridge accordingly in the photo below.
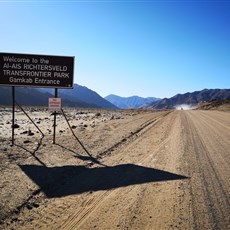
(79, 96)
(129, 102)
(191, 98)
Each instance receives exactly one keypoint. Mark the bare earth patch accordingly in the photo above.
(123, 169)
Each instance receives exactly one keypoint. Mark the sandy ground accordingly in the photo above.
(122, 170)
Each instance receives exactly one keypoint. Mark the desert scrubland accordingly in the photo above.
(123, 169)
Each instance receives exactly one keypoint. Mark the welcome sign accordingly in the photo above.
(36, 70)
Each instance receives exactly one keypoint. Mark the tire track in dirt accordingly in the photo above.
(91, 204)
(190, 143)
(159, 217)
(134, 135)
(210, 199)
(75, 221)
(219, 132)
(208, 195)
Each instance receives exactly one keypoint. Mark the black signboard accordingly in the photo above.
(36, 70)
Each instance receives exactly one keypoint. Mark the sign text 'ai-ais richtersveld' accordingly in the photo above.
(36, 70)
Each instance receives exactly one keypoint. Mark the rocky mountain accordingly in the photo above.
(79, 96)
(24, 96)
(129, 102)
(191, 99)
(223, 105)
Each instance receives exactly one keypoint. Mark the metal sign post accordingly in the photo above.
(55, 116)
(13, 113)
(33, 70)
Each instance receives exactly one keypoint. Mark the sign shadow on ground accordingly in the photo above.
(69, 180)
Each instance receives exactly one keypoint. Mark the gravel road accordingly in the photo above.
(131, 170)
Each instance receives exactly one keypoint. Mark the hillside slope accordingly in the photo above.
(79, 96)
(193, 98)
(129, 102)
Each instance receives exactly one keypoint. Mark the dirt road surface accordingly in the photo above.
(130, 170)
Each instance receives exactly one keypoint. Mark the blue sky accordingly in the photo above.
(144, 48)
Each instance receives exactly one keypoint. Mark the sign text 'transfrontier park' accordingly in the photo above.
(36, 70)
